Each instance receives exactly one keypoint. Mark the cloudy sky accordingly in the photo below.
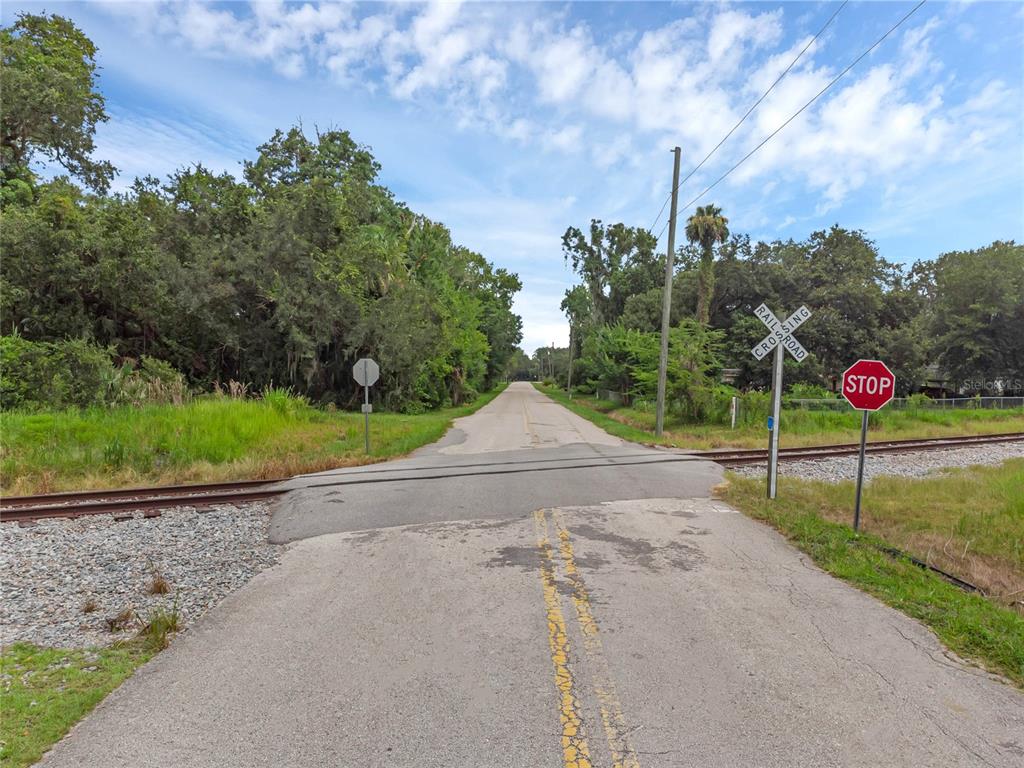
(509, 122)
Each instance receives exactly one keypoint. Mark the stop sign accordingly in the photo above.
(868, 385)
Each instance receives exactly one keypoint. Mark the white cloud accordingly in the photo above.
(732, 30)
(565, 139)
(513, 71)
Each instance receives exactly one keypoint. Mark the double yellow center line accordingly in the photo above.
(575, 749)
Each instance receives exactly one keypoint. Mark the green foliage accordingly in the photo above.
(77, 374)
(706, 227)
(626, 360)
(614, 262)
(51, 105)
(208, 438)
(964, 311)
(284, 402)
(285, 277)
(520, 367)
(810, 392)
(52, 375)
(978, 314)
(48, 690)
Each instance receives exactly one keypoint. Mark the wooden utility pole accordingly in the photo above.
(666, 299)
(568, 384)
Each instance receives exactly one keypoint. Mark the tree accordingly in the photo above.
(50, 103)
(977, 316)
(614, 262)
(519, 367)
(705, 228)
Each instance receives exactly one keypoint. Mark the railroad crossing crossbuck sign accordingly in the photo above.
(781, 333)
(780, 337)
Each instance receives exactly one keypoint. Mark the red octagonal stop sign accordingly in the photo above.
(868, 385)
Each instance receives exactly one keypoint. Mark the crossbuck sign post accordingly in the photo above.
(780, 337)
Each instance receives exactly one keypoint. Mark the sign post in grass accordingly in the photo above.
(867, 385)
(366, 372)
(780, 337)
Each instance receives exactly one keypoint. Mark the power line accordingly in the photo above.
(796, 114)
(749, 111)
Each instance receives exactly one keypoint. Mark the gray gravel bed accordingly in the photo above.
(50, 572)
(916, 464)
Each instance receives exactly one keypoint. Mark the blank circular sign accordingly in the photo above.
(366, 372)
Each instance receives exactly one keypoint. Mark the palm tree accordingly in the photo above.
(706, 227)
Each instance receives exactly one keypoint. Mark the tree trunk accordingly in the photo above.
(705, 286)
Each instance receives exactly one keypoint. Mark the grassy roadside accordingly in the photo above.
(48, 690)
(800, 428)
(970, 522)
(208, 439)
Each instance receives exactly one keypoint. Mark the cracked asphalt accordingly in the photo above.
(532, 592)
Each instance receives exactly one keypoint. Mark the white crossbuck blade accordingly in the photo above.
(781, 333)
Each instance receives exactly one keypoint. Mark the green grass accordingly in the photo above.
(799, 427)
(977, 513)
(207, 439)
(47, 690)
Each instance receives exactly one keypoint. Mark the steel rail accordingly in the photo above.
(129, 493)
(150, 501)
(735, 457)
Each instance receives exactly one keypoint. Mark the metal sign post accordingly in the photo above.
(780, 337)
(860, 468)
(867, 385)
(366, 372)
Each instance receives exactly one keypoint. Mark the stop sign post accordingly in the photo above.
(366, 372)
(867, 386)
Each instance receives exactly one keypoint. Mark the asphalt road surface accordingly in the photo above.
(532, 592)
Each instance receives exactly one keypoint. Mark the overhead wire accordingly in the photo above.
(749, 111)
(796, 114)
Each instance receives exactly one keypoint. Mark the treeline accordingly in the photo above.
(283, 277)
(962, 312)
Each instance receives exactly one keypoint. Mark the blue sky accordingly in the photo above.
(509, 122)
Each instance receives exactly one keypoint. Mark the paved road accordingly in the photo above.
(652, 630)
(520, 452)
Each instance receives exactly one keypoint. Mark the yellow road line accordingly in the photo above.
(575, 751)
(615, 728)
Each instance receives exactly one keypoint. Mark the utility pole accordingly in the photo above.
(568, 383)
(666, 299)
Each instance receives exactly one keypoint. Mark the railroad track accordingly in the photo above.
(731, 457)
(124, 502)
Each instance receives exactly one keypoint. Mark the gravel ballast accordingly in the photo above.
(911, 464)
(62, 579)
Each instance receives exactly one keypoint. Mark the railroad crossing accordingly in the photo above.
(531, 591)
(780, 337)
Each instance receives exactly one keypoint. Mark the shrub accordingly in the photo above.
(810, 392)
(36, 375)
(284, 401)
